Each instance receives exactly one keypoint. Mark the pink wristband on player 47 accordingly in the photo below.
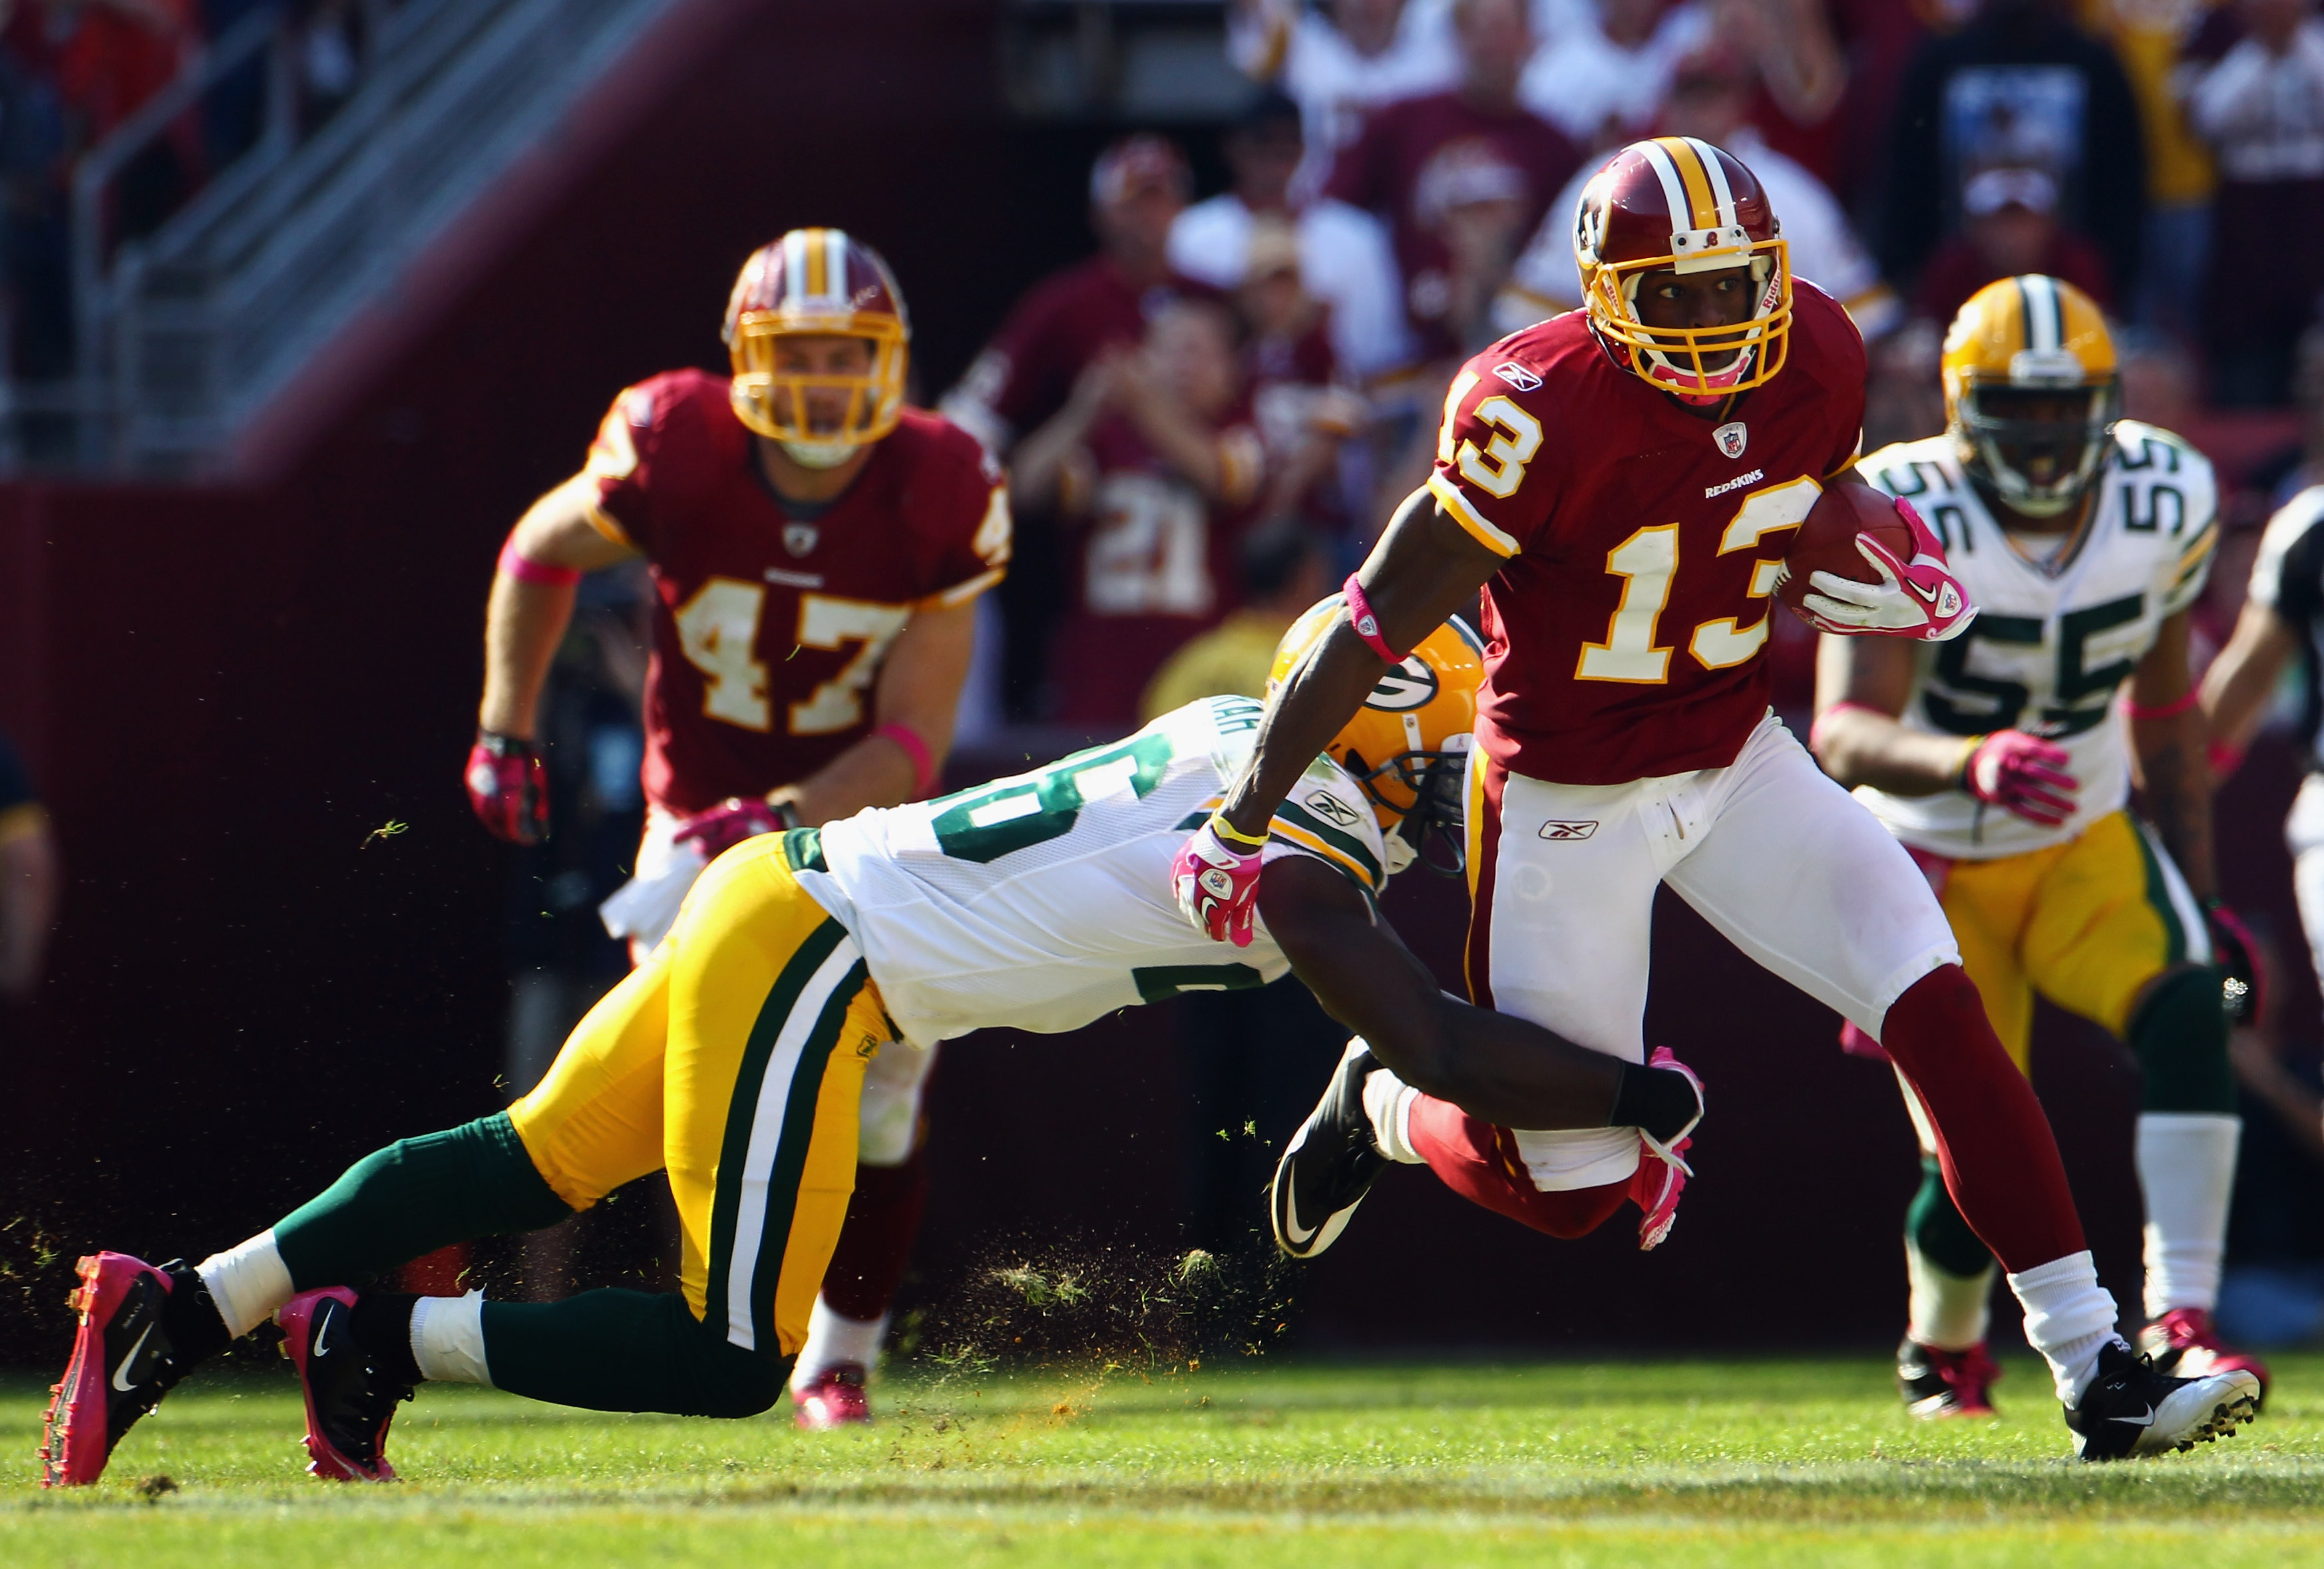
(924, 765)
(1367, 624)
(2171, 710)
(529, 571)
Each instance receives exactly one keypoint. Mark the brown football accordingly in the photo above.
(1826, 542)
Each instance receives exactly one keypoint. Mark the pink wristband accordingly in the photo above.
(1815, 732)
(2163, 710)
(1367, 624)
(924, 766)
(529, 571)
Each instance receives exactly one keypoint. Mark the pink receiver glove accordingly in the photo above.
(732, 821)
(1216, 880)
(508, 788)
(2024, 774)
(1919, 599)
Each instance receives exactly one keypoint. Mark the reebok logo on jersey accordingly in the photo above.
(1324, 805)
(1556, 830)
(1712, 493)
(1522, 379)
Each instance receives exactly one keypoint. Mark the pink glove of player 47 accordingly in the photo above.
(1215, 877)
(2024, 774)
(1919, 599)
(732, 821)
(508, 788)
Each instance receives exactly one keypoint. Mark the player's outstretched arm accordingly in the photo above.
(531, 604)
(917, 695)
(2240, 683)
(1499, 1069)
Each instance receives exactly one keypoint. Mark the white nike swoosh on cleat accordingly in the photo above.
(1291, 1232)
(131, 1361)
(2145, 1421)
(324, 1319)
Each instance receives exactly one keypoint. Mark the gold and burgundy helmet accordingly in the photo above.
(817, 283)
(1676, 204)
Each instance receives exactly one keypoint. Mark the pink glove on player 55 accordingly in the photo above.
(508, 788)
(1216, 879)
(2024, 774)
(732, 821)
(1919, 599)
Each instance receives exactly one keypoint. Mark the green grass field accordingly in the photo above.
(1285, 1463)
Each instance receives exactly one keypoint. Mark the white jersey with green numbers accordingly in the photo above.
(1043, 901)
(2052, 642)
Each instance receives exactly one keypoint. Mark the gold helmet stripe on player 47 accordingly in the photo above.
(1408, 745)
(816, 283)
(1678, 204)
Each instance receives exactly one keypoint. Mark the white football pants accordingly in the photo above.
(1769, 850)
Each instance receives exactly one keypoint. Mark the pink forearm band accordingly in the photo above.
(2171, 710)
(1815, 733)
(529, 571)
(924, 765)
(1367, 624)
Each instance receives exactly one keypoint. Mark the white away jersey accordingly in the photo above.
(2051, 644)
(1042, 901)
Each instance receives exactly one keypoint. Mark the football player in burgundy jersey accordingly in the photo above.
(816, 549)
(1621, 483)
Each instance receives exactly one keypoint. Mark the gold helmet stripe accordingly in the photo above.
(834, 268)
(1723, 195)
(1701, 205)
(1658, 158)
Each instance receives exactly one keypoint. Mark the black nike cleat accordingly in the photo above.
(141, 1329)
(1330, 1165)
(2131, 1410)
(350, 1397)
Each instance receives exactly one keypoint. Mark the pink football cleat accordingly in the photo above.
(1938, 1384)
(834, 1398)
(1662, 1169)
(121, 1366)
(350, 1401)
(2185, 1344)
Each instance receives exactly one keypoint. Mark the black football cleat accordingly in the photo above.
(1330, 1165)
(350, 1398)
(1939, 1384)
(143, 1328)
(2131, 1410)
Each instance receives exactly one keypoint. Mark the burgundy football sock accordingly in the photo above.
(1479, 1162)
(2000, 1162)
(876, 1243)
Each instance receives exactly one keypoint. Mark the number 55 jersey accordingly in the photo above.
(1042, 901)
(2056, 634)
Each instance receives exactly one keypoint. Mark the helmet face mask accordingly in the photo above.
(1673, 208)
(2032, 393)
(800, 310)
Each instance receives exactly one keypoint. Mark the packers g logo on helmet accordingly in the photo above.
(1408, 745)
(2032, 391)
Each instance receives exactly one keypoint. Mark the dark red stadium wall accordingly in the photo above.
(227, 690)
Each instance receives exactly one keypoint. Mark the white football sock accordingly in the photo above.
(2069, 1315)
(248, 1282)
(1950, 1312)
(833, 1338)
(447, 1338)
(1388, 1104)
(2187, 1170)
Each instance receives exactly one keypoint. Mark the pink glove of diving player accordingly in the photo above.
(2024, 774)
(1919, 599)
(1215, 877)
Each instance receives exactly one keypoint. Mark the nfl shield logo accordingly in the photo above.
(1732, 437)
(799, 539)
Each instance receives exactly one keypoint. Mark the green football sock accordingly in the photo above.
(626, 1350)
(1936, 1228)
(413, 1197)
(2180, 1037)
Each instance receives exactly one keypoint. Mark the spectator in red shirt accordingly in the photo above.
(1156, 464)
(1462, 178)
(2012, 227)
(1064, 323)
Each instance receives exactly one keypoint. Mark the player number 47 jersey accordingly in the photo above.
(2053, 643)
(1043, 901)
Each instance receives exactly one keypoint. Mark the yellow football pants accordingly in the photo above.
(733, 1058)
(2088, 924)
